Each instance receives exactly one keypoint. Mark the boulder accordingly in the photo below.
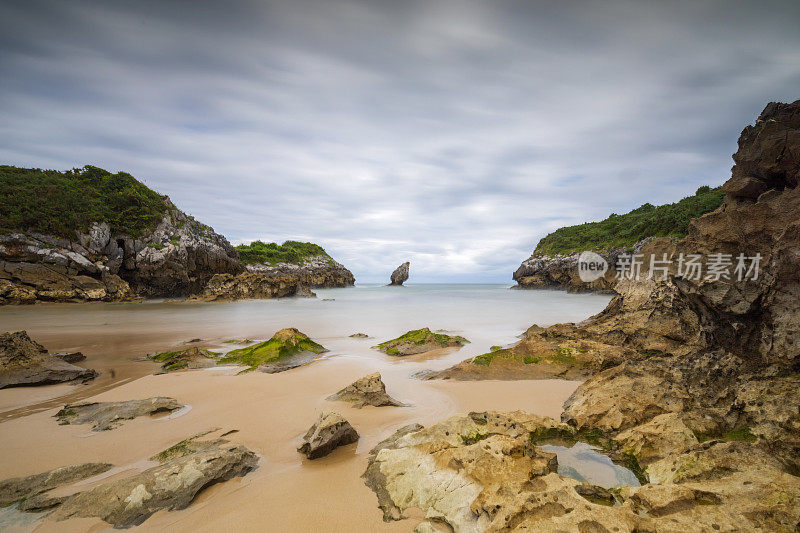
(420, 341)
(172, 485)
(368, 390)
(187, 358)
(287, 349)
(107, 415)
(328, 433)
(25, 362)
(400, 274)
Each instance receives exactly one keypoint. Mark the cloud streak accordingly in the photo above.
(453, 134)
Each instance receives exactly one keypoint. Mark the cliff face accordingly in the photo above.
(279, 280)
(177, 258)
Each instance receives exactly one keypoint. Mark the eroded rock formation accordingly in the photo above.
(26, 362)
(329, 432)
(108, 415)
(400, 274)
(369, 390)
(420, 341)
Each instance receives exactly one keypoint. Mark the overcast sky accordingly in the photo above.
(451, 134)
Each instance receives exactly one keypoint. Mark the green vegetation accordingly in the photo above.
(495, 348)
(63, 203)
(670, 220)
(180, 359)
(738, 434)
(420, 337)
(562, 355)
(285, 343)
(294, 252)
(472, 439)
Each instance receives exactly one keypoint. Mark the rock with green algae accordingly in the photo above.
(287, 349)
(420, 341)
(188, 358)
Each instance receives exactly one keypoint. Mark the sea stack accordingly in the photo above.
(400, 274)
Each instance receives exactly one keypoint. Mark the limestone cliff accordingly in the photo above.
(176, 258)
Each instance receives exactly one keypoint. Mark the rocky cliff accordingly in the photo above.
(554, 263)
(263, 280)
(89, 235)
(176, 258)
(694, 379)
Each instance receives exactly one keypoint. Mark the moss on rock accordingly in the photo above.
(420, 341)
(284, 344)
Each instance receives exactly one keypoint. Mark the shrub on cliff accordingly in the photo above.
(670, 220)
(63, 203)
(258, 252)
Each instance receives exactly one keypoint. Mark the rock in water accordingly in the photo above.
(108, 415)
(420, 341)
(26, 362)
(368, 390)
(172, 485)
(23, 488)
(328, 433)
(287, 349)
(400, 274)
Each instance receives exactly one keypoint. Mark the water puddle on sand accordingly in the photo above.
(584, 463)
(12, 519)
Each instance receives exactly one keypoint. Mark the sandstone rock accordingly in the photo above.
(170, 486)
(420, 341)
(400, 274)
(23, 488)
(25, 362)
(359, 336)
(108, 415)
(662, 436)
(328, 433)
(368, 390)
(70, 357)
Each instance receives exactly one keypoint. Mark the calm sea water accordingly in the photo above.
(116, 336)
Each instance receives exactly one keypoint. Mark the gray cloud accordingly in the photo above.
(453, 134)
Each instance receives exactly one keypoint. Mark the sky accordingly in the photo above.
(453, 134)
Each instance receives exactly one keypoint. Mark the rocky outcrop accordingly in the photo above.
(561, 271)
(486, 472)
(279, 280)
(368, 390)
(400, 274)
(420, 341)
(187, 358)
(177, 258)
(172, 485)
(287, 349)
(328, 433)
(23, 488)
(26, 362)
(108, 415)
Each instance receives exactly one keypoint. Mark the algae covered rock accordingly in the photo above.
(23, 488)
(188, 358)
(420, 341)
(329, 432)
(400, 274)
(368, 390)
(26, 362)
(169, 486)
(108, 415)
(287, 349)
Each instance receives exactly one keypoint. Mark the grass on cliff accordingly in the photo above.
(670, 220)
(63, 203)
(293, 252)
(285, 343)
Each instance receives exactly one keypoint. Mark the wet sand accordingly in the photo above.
(270, 411)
